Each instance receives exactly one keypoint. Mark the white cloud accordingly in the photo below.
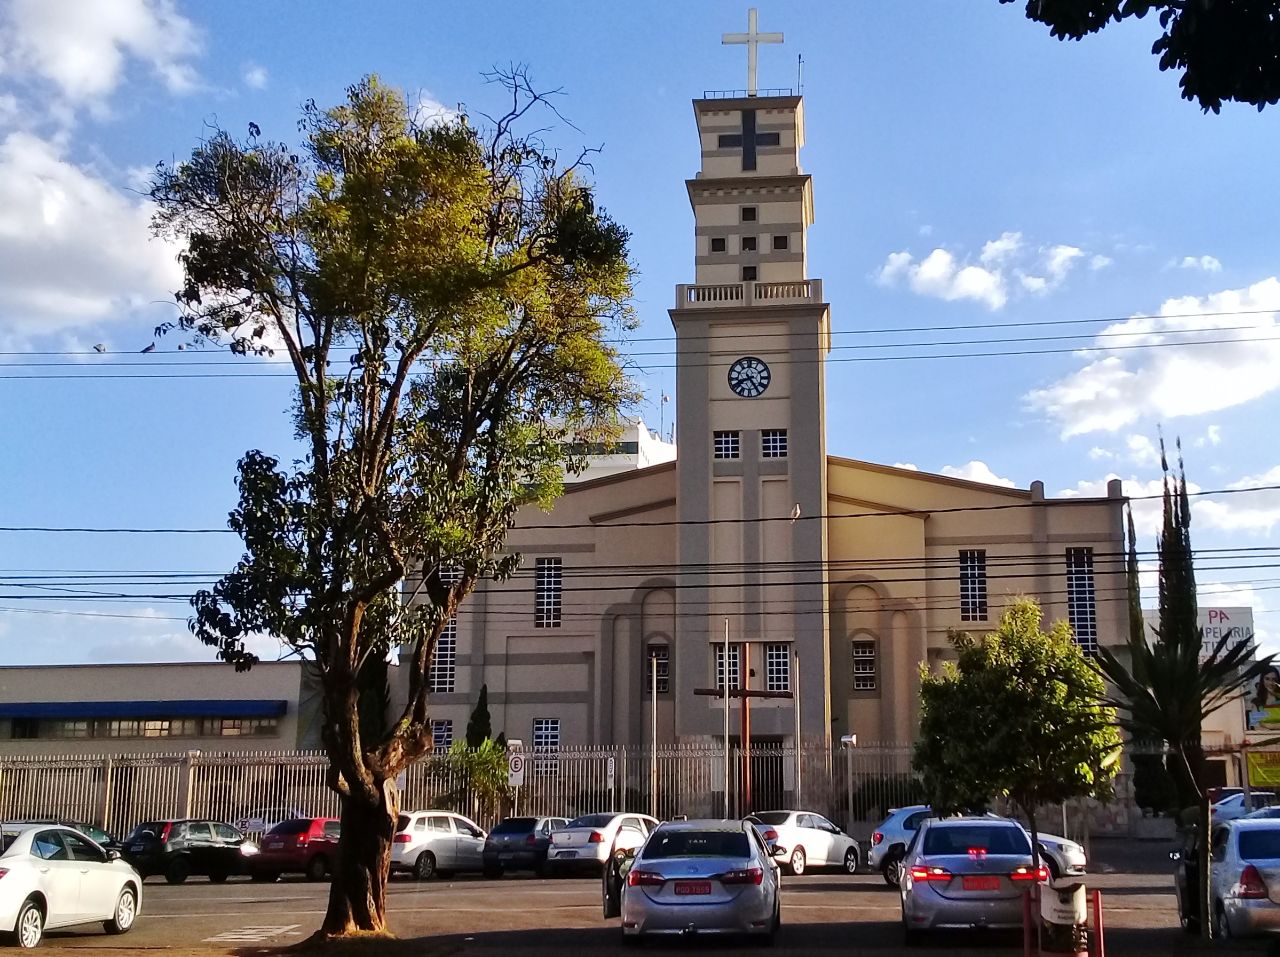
(255, 77)
(906, 465)
(998, 251)
(939, 275)
(1097, 453)
(1142, 451)
(1212, 436)
(1002, 263)
(1099, 261)
(1257, 512)
(976, 471)
(427, 110)
(926, 230)
(1205, 263)
(1240, 364)
(74, 250)
(82, 48)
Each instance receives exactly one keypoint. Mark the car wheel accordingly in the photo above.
(424, 868)
(891, 868)
(317, 868)
(217, 877)
(631, 940)
(125, 912)
(851, 861)
(29, 928)
(797, 861)
(1055, 872)
(177, 871)
(492, 871)
(1222, 925)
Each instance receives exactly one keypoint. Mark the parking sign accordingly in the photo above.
(515, 769)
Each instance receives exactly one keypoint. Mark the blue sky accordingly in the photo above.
(969, 170)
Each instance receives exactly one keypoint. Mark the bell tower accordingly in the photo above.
(752, 333)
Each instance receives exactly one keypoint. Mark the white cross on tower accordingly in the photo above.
(752, 38)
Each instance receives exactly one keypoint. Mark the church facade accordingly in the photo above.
(758, 557)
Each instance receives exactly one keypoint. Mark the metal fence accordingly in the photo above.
(116, 792)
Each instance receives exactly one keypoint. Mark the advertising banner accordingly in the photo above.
(1264, 769)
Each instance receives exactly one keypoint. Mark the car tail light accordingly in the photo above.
(876, 837)
(402, 838)
(748, 875)
(531, 840)
(1027, 874)
(770, 835)
(637, 878)
(3, 871)
(164, 834)
(1251, 884)
(926, 874)
(595, 838)
(303, 838)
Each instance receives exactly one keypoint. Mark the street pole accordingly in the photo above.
(726, 719)
(744, 735)
(653, 760)
(795, 688)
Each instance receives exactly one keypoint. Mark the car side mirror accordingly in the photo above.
(624, 854)
(113, 855)
(779, 852)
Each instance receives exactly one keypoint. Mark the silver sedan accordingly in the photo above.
(966, 872)
(699, 877)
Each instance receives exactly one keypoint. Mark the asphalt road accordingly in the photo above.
(521, 916)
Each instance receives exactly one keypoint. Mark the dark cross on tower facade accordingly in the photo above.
(748, 140)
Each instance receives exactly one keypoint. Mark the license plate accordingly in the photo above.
(982, 883)
(564, 854)
(692, 887)
(137, 847)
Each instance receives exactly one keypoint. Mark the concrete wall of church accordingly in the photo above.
(895, 577)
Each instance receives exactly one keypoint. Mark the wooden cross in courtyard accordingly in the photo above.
(745, 692)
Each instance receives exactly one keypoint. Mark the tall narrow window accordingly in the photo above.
(657, 658)
(444, 662)
(546, 745)
(773, 443)
(442, 735)
(548, 581)
(973, 585)
(1082, 605)
(864, 665)
(777, 667)
(727, 445)
(734, 669)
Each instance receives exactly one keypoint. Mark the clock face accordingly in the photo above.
(749, 377)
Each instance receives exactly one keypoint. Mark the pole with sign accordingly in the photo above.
(610, 773)
(515, 770)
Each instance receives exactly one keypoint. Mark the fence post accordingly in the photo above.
(186, 783)
(104, 793)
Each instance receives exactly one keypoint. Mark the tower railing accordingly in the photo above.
(738, 294)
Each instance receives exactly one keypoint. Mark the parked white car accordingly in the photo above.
(428, 843)
(1234, 806)
(588, 841)
(807, 839)
(53, 876)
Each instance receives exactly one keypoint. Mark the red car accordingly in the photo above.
(304, 845)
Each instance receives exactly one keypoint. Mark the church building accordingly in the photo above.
(759, 555)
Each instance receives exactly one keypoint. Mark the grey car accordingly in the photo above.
(965, 872)
(519, 843)
(889, 843)
(696, 877)
(1244, 877)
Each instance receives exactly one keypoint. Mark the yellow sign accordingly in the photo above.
(1264, 769)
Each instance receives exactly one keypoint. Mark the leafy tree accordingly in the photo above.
(1226, 50)
(1166, 687)
(480, 774)
(1020, 715)
(444, 296)
(479, 725)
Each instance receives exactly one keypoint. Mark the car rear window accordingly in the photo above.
(151, 829)
(962, 839)
(697, 844)
(299, 825)
(772, 817)
(516, 825)
(592, 820)
(1258, 844)
(7, 839)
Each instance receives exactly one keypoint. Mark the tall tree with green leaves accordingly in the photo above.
(1020, 714)
(1167, 684)
(445, 295)
(1226, 49)
(480, 725)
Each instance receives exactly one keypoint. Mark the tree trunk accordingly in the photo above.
(358, 894)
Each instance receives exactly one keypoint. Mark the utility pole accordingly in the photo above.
(653, 740)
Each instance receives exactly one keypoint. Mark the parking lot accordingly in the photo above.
(822, 914)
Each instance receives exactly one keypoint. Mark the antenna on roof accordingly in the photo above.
(799, 74)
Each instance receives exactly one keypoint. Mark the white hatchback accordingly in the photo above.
(54, 876)
(430, 843)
